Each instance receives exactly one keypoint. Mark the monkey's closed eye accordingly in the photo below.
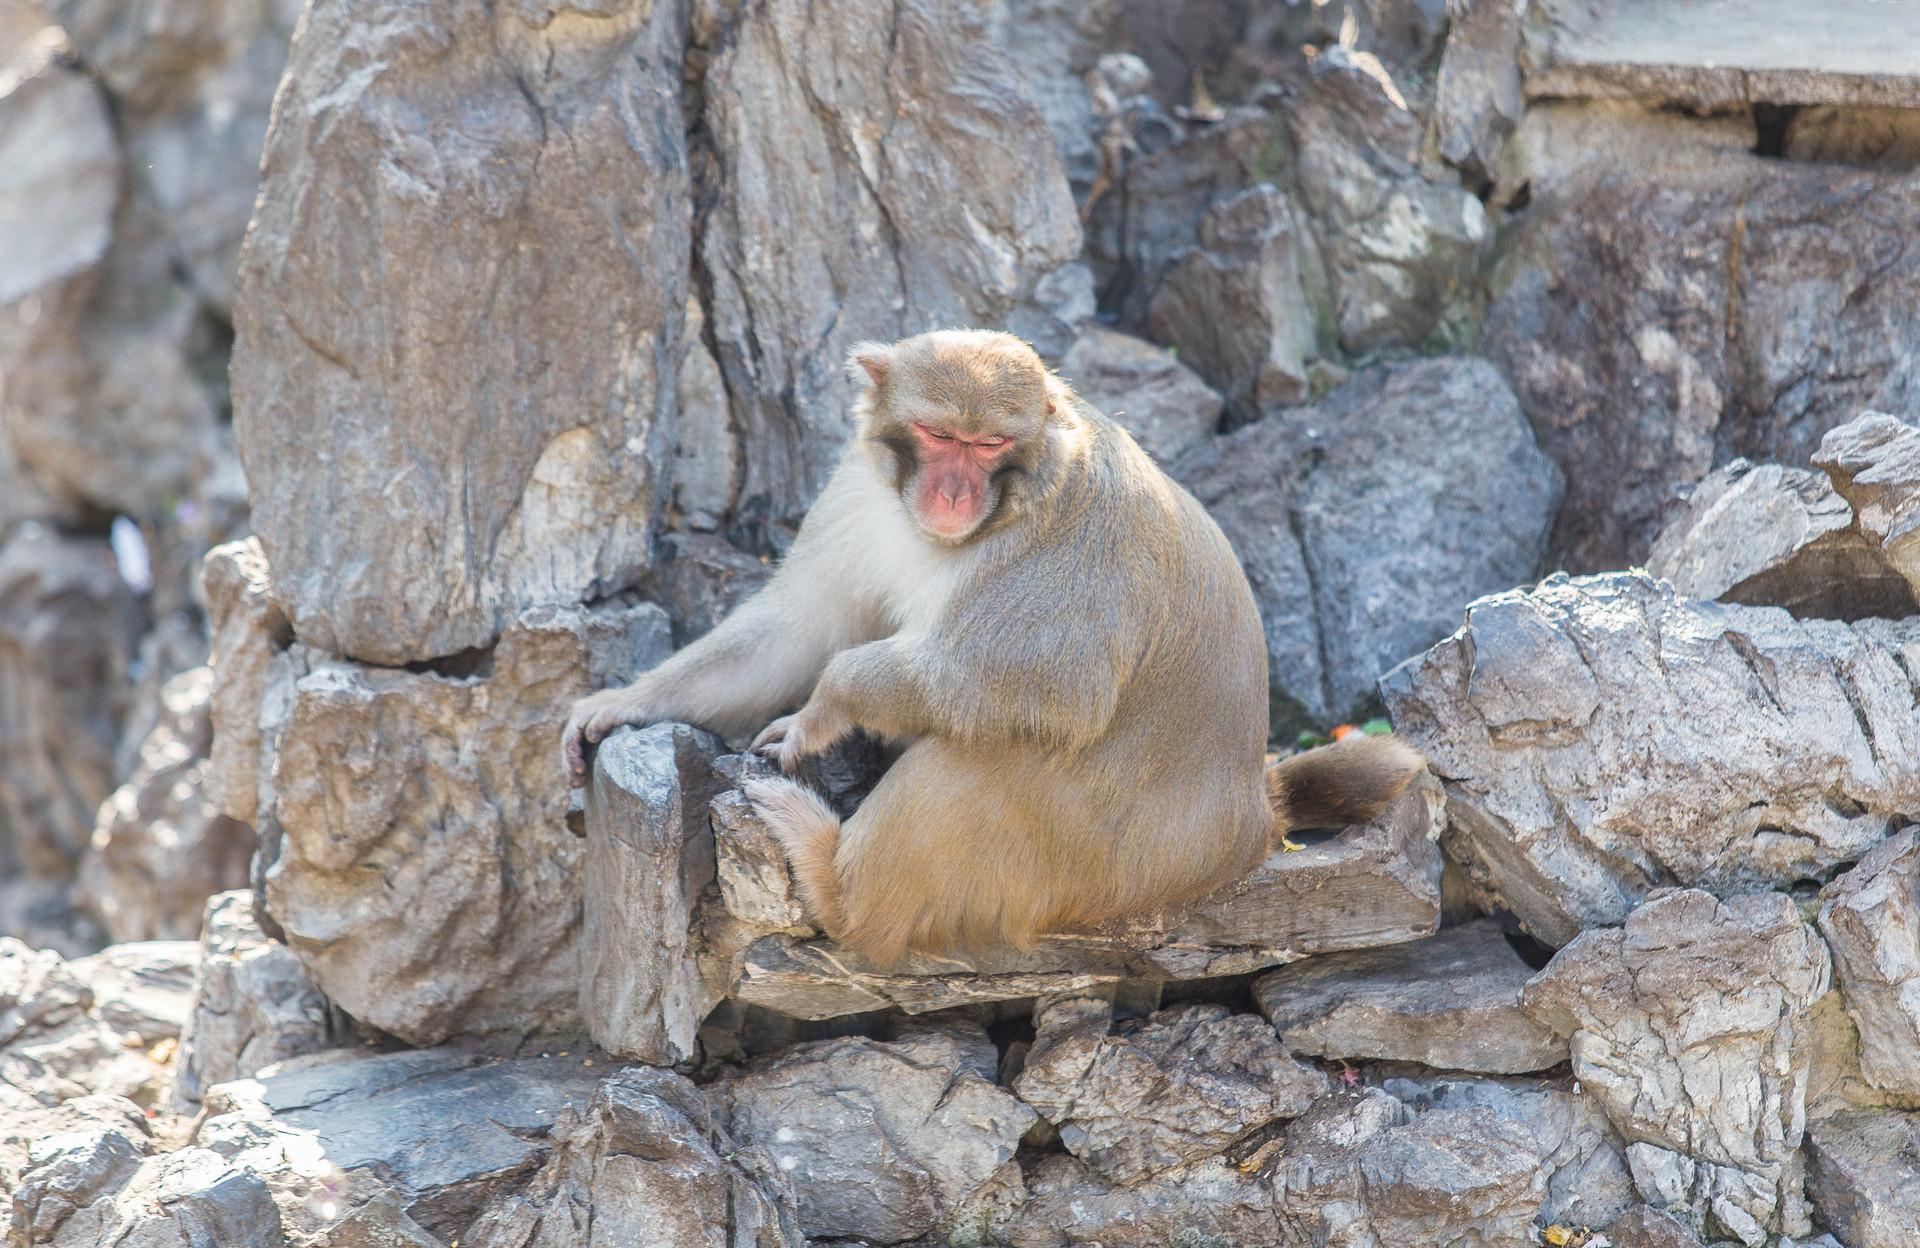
(938, 435)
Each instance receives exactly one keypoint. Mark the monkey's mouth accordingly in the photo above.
(950, 522)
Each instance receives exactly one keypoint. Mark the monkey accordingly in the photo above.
(999, 579)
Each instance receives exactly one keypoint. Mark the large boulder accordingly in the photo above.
(1871, 919)
(1146, 389)
(416, 841)
(436, 446)
(95, 1189)
(1353, 525)
(1686, 1027)
(1603, 736)
(896, 155)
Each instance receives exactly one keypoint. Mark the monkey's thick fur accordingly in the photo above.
(1081, 679)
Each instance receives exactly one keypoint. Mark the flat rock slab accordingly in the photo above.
(1451, 1001)
(1734, 52)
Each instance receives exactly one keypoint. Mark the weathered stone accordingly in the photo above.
(1769, 536)
(701, 577)
(437, 446)
(1872, 137)
(424, 872)
(141, 988)
(895, 153)
(1761, 51)
(649, 857)
(1209, 1202)
(67, 628)
(1657, 322)
(67, 1173)
(706, 455)
(1603, 736)
(26, 1121)
(1875, 464)
(1647, 1227)
(1373, 884)
(1451, 1001)
(191, 1196)
(1176, 1087)
(1354, 568)
(162, 846)
(1871, 919)
(248, 630)
(1684, 1027)
(1144, 388)
(441, 1130)
(253, 1004)
(1476, 97)
(646, 1163)
(57, 1044)
(1054, 45)
(1864, 1177)
(881, 1139)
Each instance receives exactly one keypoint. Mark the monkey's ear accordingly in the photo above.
(874, 359)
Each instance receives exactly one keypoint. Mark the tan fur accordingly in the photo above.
(1081, 681)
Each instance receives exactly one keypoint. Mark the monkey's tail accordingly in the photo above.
(810, 833)
(1334, 785)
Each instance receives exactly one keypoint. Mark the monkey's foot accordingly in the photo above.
(1289, 845)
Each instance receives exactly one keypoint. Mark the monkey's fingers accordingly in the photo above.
(773, 737)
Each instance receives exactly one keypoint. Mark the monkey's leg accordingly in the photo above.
(810, 833)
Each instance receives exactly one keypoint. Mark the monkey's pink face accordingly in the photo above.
(955, 487)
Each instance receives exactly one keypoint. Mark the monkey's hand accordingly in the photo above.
(592, 719)
(813, 730)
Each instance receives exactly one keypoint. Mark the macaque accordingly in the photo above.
(998, 578)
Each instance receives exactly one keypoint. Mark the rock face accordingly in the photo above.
(1451, 1001)
(1603, 736)
(1178, 1087)
(1871, 919)
(162, 846)
(249, 632)
(253, 1004)
(1329, 539)
(421, 864)
(646, 1163)
(1875, 465)
(1685, 1027)
(93, 1189)
(1864, 1177)
(423, 468)
(943, 1129)
(1147, 389)
(903, 165)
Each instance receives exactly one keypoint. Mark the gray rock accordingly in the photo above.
(253, 1004)
(1145, 388)
(67, 628)
(435, 447)
(1875, 464)
(1603, 737)
(161, 845)
(68, 1172)
(706, 455)
(1871, 919)
(440, 1130)
(881, 1139)
(1209, 1202)
(1054, 44)
(1864, 1177)
(26, 1121)
(1355, 567)
(912, 183)
(1176, 1087)
(1477, 100)
(649, 857)
(424, 872)
(1451, 1001)
(1647, 1227)
(141, 988)
(1657, 322)
(1769, 536)
(191, 1196)
(248, 630)
(700, 578)
(1684, 1027)
(646, 1163)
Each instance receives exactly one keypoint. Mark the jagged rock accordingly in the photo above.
(248, 630)
(1767, 51)
(424, 872)
(1871, 919)
(1647, 1227)
(440, 1130)
(881, 1138)
(141, 988)
(1656, 322)
(706, 456)
(1372, 884)
(60, 1043)
(1864, 1177)
(1603, 736)
(1236, 306)
(435, 447)
(1054, 45)
(647, 1163)
(901, 162)
(700, 577)
(1209, 1202)
(1769, 536)
(649, 857)
(1477, 99)
(67, 629)
(1177, 1087)
(1582, 1157)
(1451, 1001)
(1684, 1027)
(1356, 568)
(253, 1003)
(65, 1174)
(1875, 464)
(26, 1121)
(192, 1196)
(1145, 388)
(162, 846)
